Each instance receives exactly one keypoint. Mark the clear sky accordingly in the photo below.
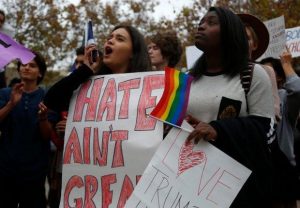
(165, 8)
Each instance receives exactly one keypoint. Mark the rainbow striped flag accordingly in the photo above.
(172, 106)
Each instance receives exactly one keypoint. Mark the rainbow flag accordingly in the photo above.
(172, 106)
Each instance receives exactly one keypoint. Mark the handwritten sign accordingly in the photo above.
(276, 28)
(10, 50)
(293, 40)
(182, 174)
(109, 139)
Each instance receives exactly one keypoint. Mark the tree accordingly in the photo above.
(56, 27)
(32, 22)
(266, 10)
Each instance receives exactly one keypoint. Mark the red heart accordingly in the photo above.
(189, 158)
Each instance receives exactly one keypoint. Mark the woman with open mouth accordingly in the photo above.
(125, 51)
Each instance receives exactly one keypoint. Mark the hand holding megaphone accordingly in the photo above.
(92, 61)
(91, 51)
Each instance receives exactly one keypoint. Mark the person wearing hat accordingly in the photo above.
(257, 33)
(258, 37)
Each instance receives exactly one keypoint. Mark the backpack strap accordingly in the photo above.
(246, 79)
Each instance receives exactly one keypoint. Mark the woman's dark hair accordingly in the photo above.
(80, 51)
(140, 60)
(169, 46)
(234, 48)
(40, 61)
(276, 64)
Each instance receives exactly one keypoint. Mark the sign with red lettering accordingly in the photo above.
(109, 138)
(183, 174)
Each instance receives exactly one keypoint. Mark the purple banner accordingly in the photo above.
(10, 50)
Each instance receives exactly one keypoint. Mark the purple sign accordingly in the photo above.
(10, 50)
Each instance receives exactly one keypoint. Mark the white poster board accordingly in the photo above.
(293, 41)
(192, 54)
(276, 28)
(188, 175)
(109, 139)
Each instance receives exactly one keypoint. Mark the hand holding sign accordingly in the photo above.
(286, 56)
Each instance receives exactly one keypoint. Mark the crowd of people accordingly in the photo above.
(252, 118)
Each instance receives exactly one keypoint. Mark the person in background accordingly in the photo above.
(4, 26)
(79, 57)
(164, 50)
(2, 18)
(217, 106)
(258, 38)
(297, 146)
(25, 142)
(289, 92)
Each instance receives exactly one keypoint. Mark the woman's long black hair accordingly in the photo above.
(235, 47)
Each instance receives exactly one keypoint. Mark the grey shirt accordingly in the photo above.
(289, 109)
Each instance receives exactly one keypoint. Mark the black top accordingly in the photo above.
(58, 96)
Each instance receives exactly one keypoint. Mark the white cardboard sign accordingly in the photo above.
(109, 139)
(187, 175)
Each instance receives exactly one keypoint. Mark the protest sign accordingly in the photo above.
(276, 28)
(182, 174)
(109, 139)
(293, 41)
(192, 54)
(10, 50)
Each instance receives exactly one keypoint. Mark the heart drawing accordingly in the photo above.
(189, 158)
